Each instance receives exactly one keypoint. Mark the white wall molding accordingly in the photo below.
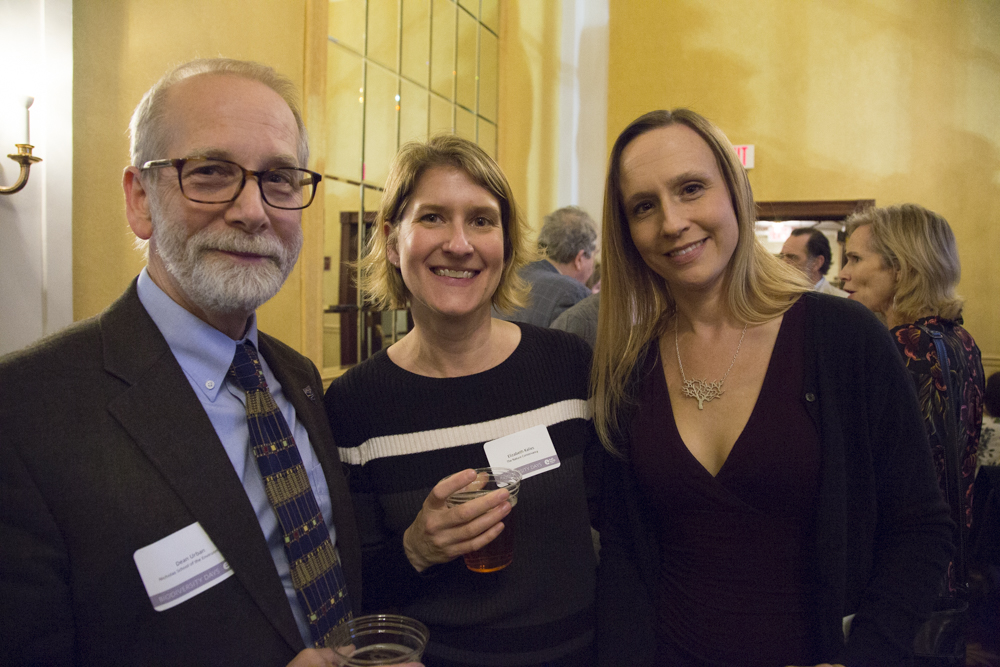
(583, 105)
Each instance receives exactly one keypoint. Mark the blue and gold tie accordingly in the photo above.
(314, 562)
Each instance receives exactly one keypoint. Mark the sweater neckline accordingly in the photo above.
(398, 371)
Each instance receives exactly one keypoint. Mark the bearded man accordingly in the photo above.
(169, 488)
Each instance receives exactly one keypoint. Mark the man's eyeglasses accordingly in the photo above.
(212, 181)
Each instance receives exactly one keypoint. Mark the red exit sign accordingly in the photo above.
(745, 153)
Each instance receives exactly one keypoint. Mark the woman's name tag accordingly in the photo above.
(530, 452)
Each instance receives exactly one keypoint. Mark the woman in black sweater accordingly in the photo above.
(448, 242)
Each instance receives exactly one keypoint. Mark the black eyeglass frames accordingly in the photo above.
(214, 181)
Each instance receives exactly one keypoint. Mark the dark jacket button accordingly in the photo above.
(810, 397)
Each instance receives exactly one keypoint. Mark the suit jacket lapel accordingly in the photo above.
(162, 414)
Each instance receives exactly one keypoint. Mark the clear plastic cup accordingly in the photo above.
(499, 553)
(379, 639)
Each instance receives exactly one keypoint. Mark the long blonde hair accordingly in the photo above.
(920, 246)
(636, 303)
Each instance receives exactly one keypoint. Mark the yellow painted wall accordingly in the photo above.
(529, 104)
(120, 48)
(892, 100)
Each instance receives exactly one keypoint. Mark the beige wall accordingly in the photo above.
(120, 48)
(892, 100)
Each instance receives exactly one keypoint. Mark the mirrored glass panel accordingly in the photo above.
(416, 41)
(346, 24)
(380, 123)
(443, 48)
(465, 124)
(465, 93)
(491, 15)
(488, 137)
(488, 74)
(383, 32)
(471, 6)
(413, 111)
(441, 116)
(344, 112)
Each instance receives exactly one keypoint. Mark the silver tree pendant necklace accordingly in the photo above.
(705, 390)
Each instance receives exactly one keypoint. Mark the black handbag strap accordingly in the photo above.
(953, 459)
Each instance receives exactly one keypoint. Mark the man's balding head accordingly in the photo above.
(150, 126)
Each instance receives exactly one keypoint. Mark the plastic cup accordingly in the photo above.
(379, 639)
(499, 553)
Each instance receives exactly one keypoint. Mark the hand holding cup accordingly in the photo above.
(441, 533)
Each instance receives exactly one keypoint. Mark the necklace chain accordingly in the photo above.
(705, 390)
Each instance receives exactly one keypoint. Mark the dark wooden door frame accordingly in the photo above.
(835, 210)
(347, 304)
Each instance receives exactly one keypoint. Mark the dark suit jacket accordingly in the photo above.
(105, 449)
(551, 294)
(581, 319)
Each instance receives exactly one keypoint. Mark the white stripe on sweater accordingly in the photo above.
(467, 434)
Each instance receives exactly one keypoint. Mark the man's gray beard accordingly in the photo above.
(215, 283)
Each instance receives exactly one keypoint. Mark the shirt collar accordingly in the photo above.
(203, 352)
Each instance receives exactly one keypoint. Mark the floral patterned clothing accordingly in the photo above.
(967, 377)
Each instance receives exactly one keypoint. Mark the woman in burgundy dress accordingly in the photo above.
(769, 495)
(902, 263)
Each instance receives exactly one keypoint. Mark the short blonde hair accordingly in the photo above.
(636, 303)
(383, 282)
(920, 246)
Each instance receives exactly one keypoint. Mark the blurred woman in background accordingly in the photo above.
(902, 263)
(768, 474)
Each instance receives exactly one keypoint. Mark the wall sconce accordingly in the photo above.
(23, 155)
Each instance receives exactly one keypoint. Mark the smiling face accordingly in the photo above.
(220, 258)
(448, 246)
(866, 277)
(679, 211)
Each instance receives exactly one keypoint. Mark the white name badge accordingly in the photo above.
(180, 566)
(530, 451)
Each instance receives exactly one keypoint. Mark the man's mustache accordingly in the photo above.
(265, 247)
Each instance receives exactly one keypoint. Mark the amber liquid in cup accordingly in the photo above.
(499, 553)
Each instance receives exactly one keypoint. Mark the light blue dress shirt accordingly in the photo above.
(205, 354)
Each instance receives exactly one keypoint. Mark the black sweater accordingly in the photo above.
(399, 434)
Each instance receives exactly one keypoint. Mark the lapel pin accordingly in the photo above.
(309, 393)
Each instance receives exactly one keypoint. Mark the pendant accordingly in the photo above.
(703, 390)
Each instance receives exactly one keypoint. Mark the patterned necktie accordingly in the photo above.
(314, 562)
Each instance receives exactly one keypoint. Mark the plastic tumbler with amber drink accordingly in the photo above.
(499, 553)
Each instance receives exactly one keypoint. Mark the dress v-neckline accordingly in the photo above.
(662, 385)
